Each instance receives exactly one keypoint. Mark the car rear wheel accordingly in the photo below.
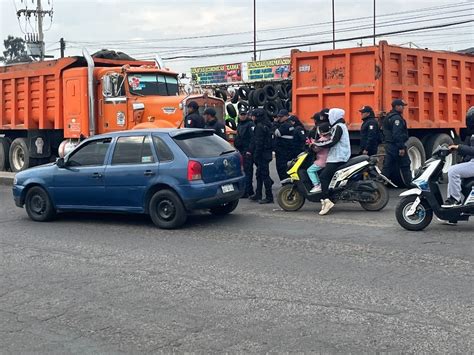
(224, 209)
(38, 205)
(166, 210)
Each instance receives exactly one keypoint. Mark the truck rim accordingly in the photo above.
(415, 157)
(18, 156)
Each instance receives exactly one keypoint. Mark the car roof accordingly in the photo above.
(173, 132)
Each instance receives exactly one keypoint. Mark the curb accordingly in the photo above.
(6, 178)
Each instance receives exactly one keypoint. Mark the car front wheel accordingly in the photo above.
(166, 210)
(38, 205)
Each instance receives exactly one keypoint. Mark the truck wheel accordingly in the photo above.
(19, 155)
(433, 142)
(416, 152)
(417, 222)
(4, 151)
(38, 205)
(166, 210)
(224, 209)
(381, 199)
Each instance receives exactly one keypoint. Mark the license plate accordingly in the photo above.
(227, 188)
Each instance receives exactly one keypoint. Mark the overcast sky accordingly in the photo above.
(143, 27)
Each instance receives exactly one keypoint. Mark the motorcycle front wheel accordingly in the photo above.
(289, 198)
(418, 221)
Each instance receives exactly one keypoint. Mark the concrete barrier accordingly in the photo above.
(6, 178)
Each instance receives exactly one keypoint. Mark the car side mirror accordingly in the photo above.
(60, 163)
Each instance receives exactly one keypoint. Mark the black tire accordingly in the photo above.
(38, 205)
(433, 142)
(270, 92)
(279, 103)
(259, 97)
(424, 214)
(282, 93)
(271, 108)
(19, 155)
(231, 111)
(242, 104)
(224, 209)
(251, 99)
(221, 94)
(4, 152)
(244, 92)
(235, 97)
(289, 198)
(166, 210)
(381, 201)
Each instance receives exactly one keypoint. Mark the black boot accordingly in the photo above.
(258, 192)
(268, 193)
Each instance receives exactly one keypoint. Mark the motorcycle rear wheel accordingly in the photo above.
(417, 222)
(289, 198)
(381, 200)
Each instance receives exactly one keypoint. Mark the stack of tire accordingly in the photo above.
(270, 97)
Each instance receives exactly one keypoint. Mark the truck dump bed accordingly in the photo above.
(438, 86)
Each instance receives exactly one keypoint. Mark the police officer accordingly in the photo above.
(213, 123)
(396, 135)
(193, 119)
(299, 136)
(242, 142)
(369, 132)
(283, 143)
(261, 150)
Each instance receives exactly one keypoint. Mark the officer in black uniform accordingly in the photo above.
(396, 135)
(284, 148)
(369, 132)
(193, 119)
(243, 140)
(299, 136)
(261, 150)
(213, 123)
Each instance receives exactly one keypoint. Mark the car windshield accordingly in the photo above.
(203, 145)
(149, 84)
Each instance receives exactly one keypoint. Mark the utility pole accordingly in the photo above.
(333, 27)
(255, 30)
(374, 22)
(35, 39)
(62, 46)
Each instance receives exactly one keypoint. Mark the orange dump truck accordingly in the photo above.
(46, 108)
(437, 86)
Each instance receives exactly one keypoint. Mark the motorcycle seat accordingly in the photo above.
(354, 161)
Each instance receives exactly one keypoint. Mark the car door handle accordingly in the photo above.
(148, 173)
(97, 175)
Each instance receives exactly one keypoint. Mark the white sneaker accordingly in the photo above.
(327, 205)
(316, 188)
(322, 204)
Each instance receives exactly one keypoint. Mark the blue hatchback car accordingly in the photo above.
(165, 173)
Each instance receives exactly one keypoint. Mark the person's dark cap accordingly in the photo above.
(366, 109)
(398, 102)
(210, 111)
(283, 113)
(193, 104)
(316, 116)
(243, 110)
(324, 127)
(258, 112)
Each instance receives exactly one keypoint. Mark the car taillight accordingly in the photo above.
(194, 170)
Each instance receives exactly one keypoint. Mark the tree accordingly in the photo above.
(15, 51)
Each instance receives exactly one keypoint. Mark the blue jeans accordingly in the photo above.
(313, 174)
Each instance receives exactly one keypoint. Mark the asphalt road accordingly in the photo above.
(259, 280)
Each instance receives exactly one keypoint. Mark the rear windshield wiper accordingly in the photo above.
(227, 152)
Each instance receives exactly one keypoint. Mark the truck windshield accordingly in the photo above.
(148, 84)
